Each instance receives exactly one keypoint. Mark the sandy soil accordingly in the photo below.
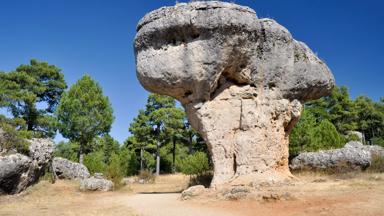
(312, 195)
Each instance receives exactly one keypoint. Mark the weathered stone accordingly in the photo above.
(353, 156)
(192, 192)
(96, 184)
(18, 171)
(241, 79)
(66, 169)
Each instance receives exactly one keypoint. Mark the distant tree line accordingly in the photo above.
(35, 102)
(327, 122)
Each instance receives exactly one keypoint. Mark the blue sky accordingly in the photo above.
(96, 37)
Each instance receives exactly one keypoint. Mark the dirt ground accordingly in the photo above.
(312, 194)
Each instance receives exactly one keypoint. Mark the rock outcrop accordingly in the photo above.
(353, 156)
(18, 171)
(66, 169)
(241, 79)
(96, 183)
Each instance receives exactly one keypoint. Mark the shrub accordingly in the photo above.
(146, 175)
(95, 162)
(66, 150)
(194, 164)
(11, 139)
(129, 162)
(377, 164)
(114, 171)
(377, 141)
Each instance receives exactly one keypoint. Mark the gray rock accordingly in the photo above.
(18, 171)
(41, 150)
(192, 192)
(357, 134)
(241, 79)
(353, 155)
(98, 175)
(96, 184)
(66, 169)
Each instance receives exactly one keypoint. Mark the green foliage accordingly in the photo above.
(95, 162)
(28, 86)
(106, 144)
(325, 136)
(11, 139)
(129, 162)
(309, 135)
(66, 150)
(161, 122)
(325, 122)
(377, 141)
(114, 170)
(352, 137)
(84, 112)
(194, 164)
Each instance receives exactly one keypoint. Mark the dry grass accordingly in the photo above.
(162, 184)
(314, 193)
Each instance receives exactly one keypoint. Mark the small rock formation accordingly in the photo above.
(66, 169)
(18, 171)
(241, 79)
(193, 192)
(96, 183)
(354, 155)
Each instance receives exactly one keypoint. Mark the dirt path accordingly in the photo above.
(170, 205)
(315, 195)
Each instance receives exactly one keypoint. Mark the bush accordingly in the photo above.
(377, 164)
(114, 171)
(146, 175)
(11, 139)
(66, 150)
(377, 141)
(325, 136)
(129, 162)
(194, 164)
(309, 135)
(95, 162)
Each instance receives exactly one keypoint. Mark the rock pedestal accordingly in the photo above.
(241, 79)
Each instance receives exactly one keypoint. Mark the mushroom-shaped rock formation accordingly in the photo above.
(242, 81)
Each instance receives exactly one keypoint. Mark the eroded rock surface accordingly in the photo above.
(96, 183)
(241, 79)
(66, 169)
(18, 171)
(353, 156)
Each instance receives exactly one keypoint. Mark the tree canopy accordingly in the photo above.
(31, 94)
(84, 113)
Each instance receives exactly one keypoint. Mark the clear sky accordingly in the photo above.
(96, 37)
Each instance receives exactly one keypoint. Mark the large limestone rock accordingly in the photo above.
(66, 169)
(18, 171)
(353, 156)
(96, 183)
(241, 79)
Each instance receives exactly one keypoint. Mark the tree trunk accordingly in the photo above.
(158, 158)
(190, 143)
(80, 155)
(141, 159)
(174, 155)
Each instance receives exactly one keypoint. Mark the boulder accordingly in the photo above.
(193, 192)
(96, 184)
(242, 81)
(66, 169)
(354, 155)
(18, 171)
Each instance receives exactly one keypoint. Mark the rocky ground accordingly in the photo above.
(313, 194)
